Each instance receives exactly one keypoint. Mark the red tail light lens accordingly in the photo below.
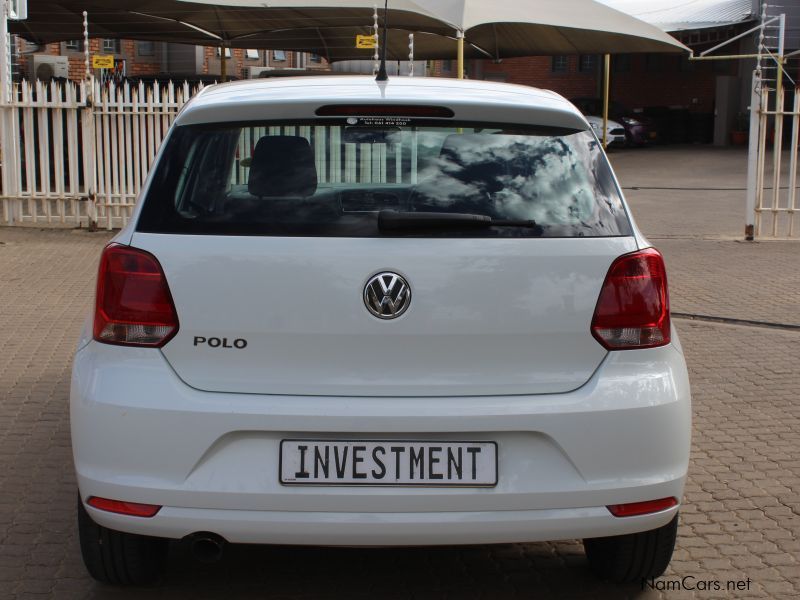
(642, 508)
(132, 509)
(133, 306)
(633, 308)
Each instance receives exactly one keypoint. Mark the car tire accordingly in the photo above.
(633, 557)
(118, 558)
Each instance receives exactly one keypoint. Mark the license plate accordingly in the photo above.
(388, 463)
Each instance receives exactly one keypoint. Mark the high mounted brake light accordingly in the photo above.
(633, 308)
(133, 306)
(379, 110)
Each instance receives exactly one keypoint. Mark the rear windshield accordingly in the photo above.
(334, 178)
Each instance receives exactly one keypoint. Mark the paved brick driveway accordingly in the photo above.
(740, 520)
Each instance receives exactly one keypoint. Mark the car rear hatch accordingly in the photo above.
(496, 317)
(269, 234)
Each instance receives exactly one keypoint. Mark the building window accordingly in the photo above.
(227, 52)
(560, 64)
(146, 48)
(447, 66)
(111, 47)
(315, 58)
(621, 63)
(278, 55)
(251, 54)
(587, 63)
(74, 45)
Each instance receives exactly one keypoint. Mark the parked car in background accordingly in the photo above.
(615, 133)
(639, 129)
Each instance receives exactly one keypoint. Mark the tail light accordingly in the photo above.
(633, 308)
(635, 509)
(131, 509)
(133, 306)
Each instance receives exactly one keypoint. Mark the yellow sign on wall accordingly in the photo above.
(366, 42)
(102, 61)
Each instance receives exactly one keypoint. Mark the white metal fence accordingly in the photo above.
(776, 194)
(78, 156)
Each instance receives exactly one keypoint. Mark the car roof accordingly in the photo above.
(299, 97)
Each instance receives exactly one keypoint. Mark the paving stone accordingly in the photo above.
(740, 514)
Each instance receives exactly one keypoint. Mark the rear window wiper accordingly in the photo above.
(392, 220)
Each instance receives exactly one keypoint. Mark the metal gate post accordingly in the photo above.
(778, 127)
(792, 202)
(8, 142)
(88, 138)
(752, 157)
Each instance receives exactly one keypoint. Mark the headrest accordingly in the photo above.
(468, 158)
(283, 165)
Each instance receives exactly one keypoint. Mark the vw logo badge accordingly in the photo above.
(387, 295)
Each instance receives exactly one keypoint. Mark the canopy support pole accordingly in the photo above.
(87, 62)
(606, 86)
(5, 48)
(223, 63)
(460, 62)
(410, 54)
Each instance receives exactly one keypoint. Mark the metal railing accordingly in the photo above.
(79, 156)
(776, 205)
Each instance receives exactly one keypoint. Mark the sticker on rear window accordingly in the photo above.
(380, 121)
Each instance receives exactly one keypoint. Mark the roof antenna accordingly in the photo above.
(382, 75)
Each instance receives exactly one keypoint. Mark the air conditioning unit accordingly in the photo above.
(255, 72)
(45, 67)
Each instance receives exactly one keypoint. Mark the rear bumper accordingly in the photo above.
(210, 459)
(382, 529)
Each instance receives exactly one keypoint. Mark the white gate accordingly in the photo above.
(129, 125)
(78, 156)
(44, 160)
(776, 193)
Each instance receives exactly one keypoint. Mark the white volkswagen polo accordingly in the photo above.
(377, 314)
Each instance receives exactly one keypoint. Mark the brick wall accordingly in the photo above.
(637, 80)
(140, 66)
(135, 65)
(537, 71)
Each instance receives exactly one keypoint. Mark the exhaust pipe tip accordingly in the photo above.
(206, 547)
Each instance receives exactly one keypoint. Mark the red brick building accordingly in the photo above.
(694, 100)
(637, 80)
(141, 59)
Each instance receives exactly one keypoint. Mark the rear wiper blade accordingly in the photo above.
(392, 220)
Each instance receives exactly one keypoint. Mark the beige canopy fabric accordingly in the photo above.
(496, 28)
(237, 23)
(492, 28)
(507, 28)
(338, 43)
(62, 20)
